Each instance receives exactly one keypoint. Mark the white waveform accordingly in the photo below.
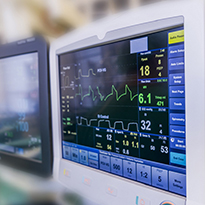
(88, 123)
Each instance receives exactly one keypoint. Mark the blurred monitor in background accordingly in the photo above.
(25, 137)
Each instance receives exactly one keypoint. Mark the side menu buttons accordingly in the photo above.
(176, 51)
(176, 63)
(176, 79)
(177, 103)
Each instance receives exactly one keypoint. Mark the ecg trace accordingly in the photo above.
(102, 98)
(90, 93)
(127, 89)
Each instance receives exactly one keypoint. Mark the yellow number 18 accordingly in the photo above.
(145, 71)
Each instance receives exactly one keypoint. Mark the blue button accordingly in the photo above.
(144, 173)
(116, 166)
(177, 183)
(84, 157)
(93, 156)
(160, 178)
(66, 152)
(176, 51)
(178, 158)
(177, 91)
(74, 154)
(177, 143)
(176, 63)
(177, 131)
(177, 103)
(93, 163)
(176, 79)
(177, 119)
(129, 169)
(105, 163)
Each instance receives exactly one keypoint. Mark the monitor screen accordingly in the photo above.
(122, 108)
(19, 106)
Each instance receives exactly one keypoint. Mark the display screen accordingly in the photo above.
(123, 108)
(19, 106)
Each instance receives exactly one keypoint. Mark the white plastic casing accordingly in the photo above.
(146, 18)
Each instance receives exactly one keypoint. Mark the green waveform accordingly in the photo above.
(101, 96)
(85, 76)
(86, 95)
(113, 89)
(125, 93)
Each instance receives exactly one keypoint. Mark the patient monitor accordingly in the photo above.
(24, 106)
(128, 100)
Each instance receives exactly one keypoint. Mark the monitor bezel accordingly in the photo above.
(92, 42)
(175, 23)
(42, 168)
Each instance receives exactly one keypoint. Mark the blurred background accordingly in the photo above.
(21, 19)
(52, 18)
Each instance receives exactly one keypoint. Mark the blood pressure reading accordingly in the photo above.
(19, 106)
(123, 108)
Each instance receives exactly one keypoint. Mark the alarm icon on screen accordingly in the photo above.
(172, 139)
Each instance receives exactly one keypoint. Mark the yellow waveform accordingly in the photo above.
(90, 71)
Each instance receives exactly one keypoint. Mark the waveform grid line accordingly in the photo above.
(132, 97)
(84, 76)
(88, 123)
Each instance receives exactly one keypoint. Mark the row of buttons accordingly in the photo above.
(82, 156)
(145, 174)
(135, 171)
